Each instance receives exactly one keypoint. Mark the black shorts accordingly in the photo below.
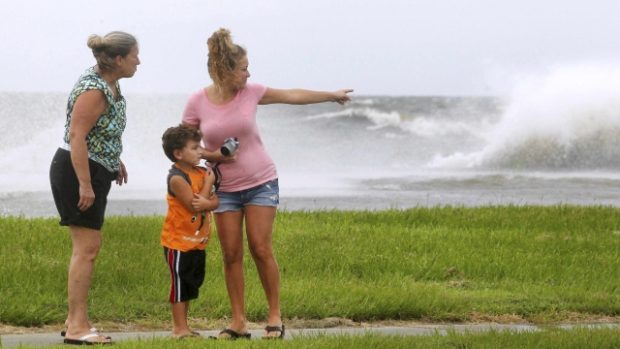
(187, 273)
(66, 191)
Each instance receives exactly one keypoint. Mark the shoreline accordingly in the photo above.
(41, 204)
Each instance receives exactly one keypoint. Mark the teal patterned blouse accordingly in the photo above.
(104, 140)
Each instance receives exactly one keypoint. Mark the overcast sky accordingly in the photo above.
(389, 47)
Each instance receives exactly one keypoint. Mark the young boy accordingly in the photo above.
(186, 229)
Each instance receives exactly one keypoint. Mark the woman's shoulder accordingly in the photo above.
(198, 95)
(255, 87)
(90, 80)
(255, 90)
(92, 77)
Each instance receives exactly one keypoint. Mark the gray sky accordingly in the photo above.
(390, 47)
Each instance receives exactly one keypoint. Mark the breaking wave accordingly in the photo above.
(568, 119)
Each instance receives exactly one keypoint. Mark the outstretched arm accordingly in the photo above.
(300, 96)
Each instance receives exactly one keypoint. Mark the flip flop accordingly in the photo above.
(92, 330)
(271, 329)
(232, 335)
(192, 334)
(84, 340)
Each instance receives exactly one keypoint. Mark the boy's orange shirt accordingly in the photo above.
(185, 230)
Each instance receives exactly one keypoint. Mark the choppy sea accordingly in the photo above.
(555, 140)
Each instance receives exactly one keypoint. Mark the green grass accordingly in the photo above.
(551, 339)
(542, 264)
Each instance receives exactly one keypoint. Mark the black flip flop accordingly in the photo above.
(64, 333)
(84, 340)
(270, 329)
(192, 334)
(233, 335)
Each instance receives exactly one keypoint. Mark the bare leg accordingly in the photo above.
(259, 227)
(230, 234)
(179, 318)
(86, 245)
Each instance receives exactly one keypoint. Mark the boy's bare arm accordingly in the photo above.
(183, 192)
(201, 203)
(207, 188)
(206, 200)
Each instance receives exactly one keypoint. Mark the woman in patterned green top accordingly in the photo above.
(85, 165)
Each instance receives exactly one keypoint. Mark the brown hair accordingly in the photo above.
(176, 138)
(107, 48)
(223, 56)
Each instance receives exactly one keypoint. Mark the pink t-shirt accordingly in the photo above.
(236, 118)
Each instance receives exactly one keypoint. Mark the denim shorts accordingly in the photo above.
(266, 194)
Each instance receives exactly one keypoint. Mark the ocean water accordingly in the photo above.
(554, 140)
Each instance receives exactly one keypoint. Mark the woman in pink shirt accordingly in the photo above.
(249, 181)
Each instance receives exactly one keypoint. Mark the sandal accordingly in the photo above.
(84, 340)
(232, 335)
(272, 329)
(192, 334)
(92, 330)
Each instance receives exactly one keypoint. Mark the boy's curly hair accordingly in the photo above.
(175, 138)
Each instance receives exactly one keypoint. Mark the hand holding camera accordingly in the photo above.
(230, 146)
(227, 153)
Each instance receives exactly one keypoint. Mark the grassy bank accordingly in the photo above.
(541, 264)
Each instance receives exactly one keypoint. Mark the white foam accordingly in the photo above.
(561, 113)
(378, 118)
(427, 127)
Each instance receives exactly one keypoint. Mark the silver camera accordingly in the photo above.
(230, 146)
